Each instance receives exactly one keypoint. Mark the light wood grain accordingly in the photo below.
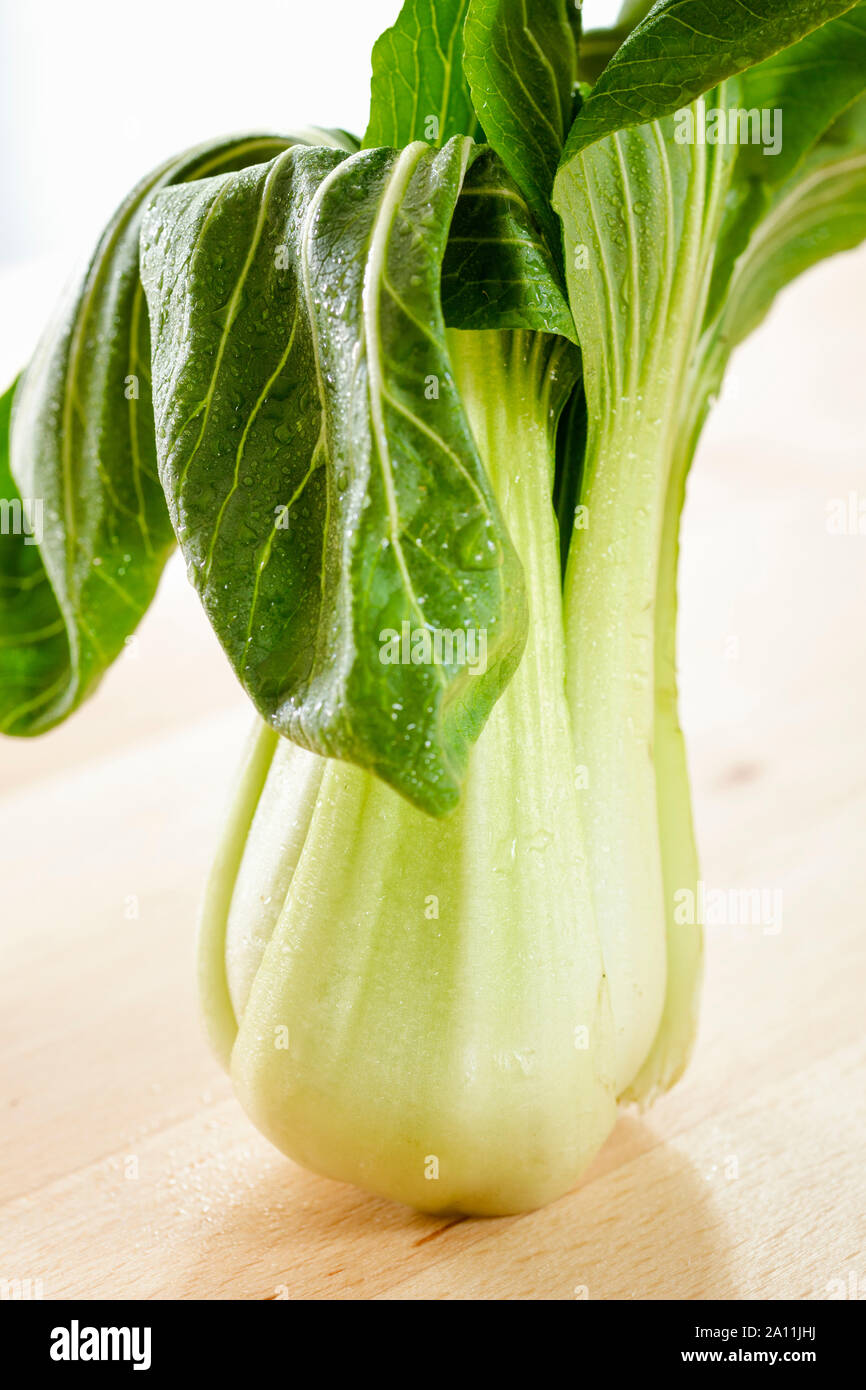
(126, 1167)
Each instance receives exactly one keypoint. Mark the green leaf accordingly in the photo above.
(819, 212)
(521, 62)
(811, 84)
(82, 446)
(498, 272)
(754, 193)
(684, 47)
(418, 91)
(34, 651)
(321, 474)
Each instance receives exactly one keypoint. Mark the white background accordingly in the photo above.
(93, 93)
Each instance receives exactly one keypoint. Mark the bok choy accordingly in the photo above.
(419, 412)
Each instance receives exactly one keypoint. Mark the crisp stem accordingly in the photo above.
(439, 983)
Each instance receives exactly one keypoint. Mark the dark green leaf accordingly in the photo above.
(521, 62)
(320, 470)
(498, 271)
(685, 47)
(418, 91)
(810, 84)
(82, 446)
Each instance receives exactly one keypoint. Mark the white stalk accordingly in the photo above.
(428, 1017)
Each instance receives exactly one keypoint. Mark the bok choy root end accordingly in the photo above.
(415, 1005)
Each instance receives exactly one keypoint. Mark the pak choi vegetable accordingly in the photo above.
(419, 412)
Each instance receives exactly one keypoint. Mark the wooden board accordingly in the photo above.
(128, 1170)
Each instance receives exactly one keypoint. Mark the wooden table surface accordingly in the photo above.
(128, 1170)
